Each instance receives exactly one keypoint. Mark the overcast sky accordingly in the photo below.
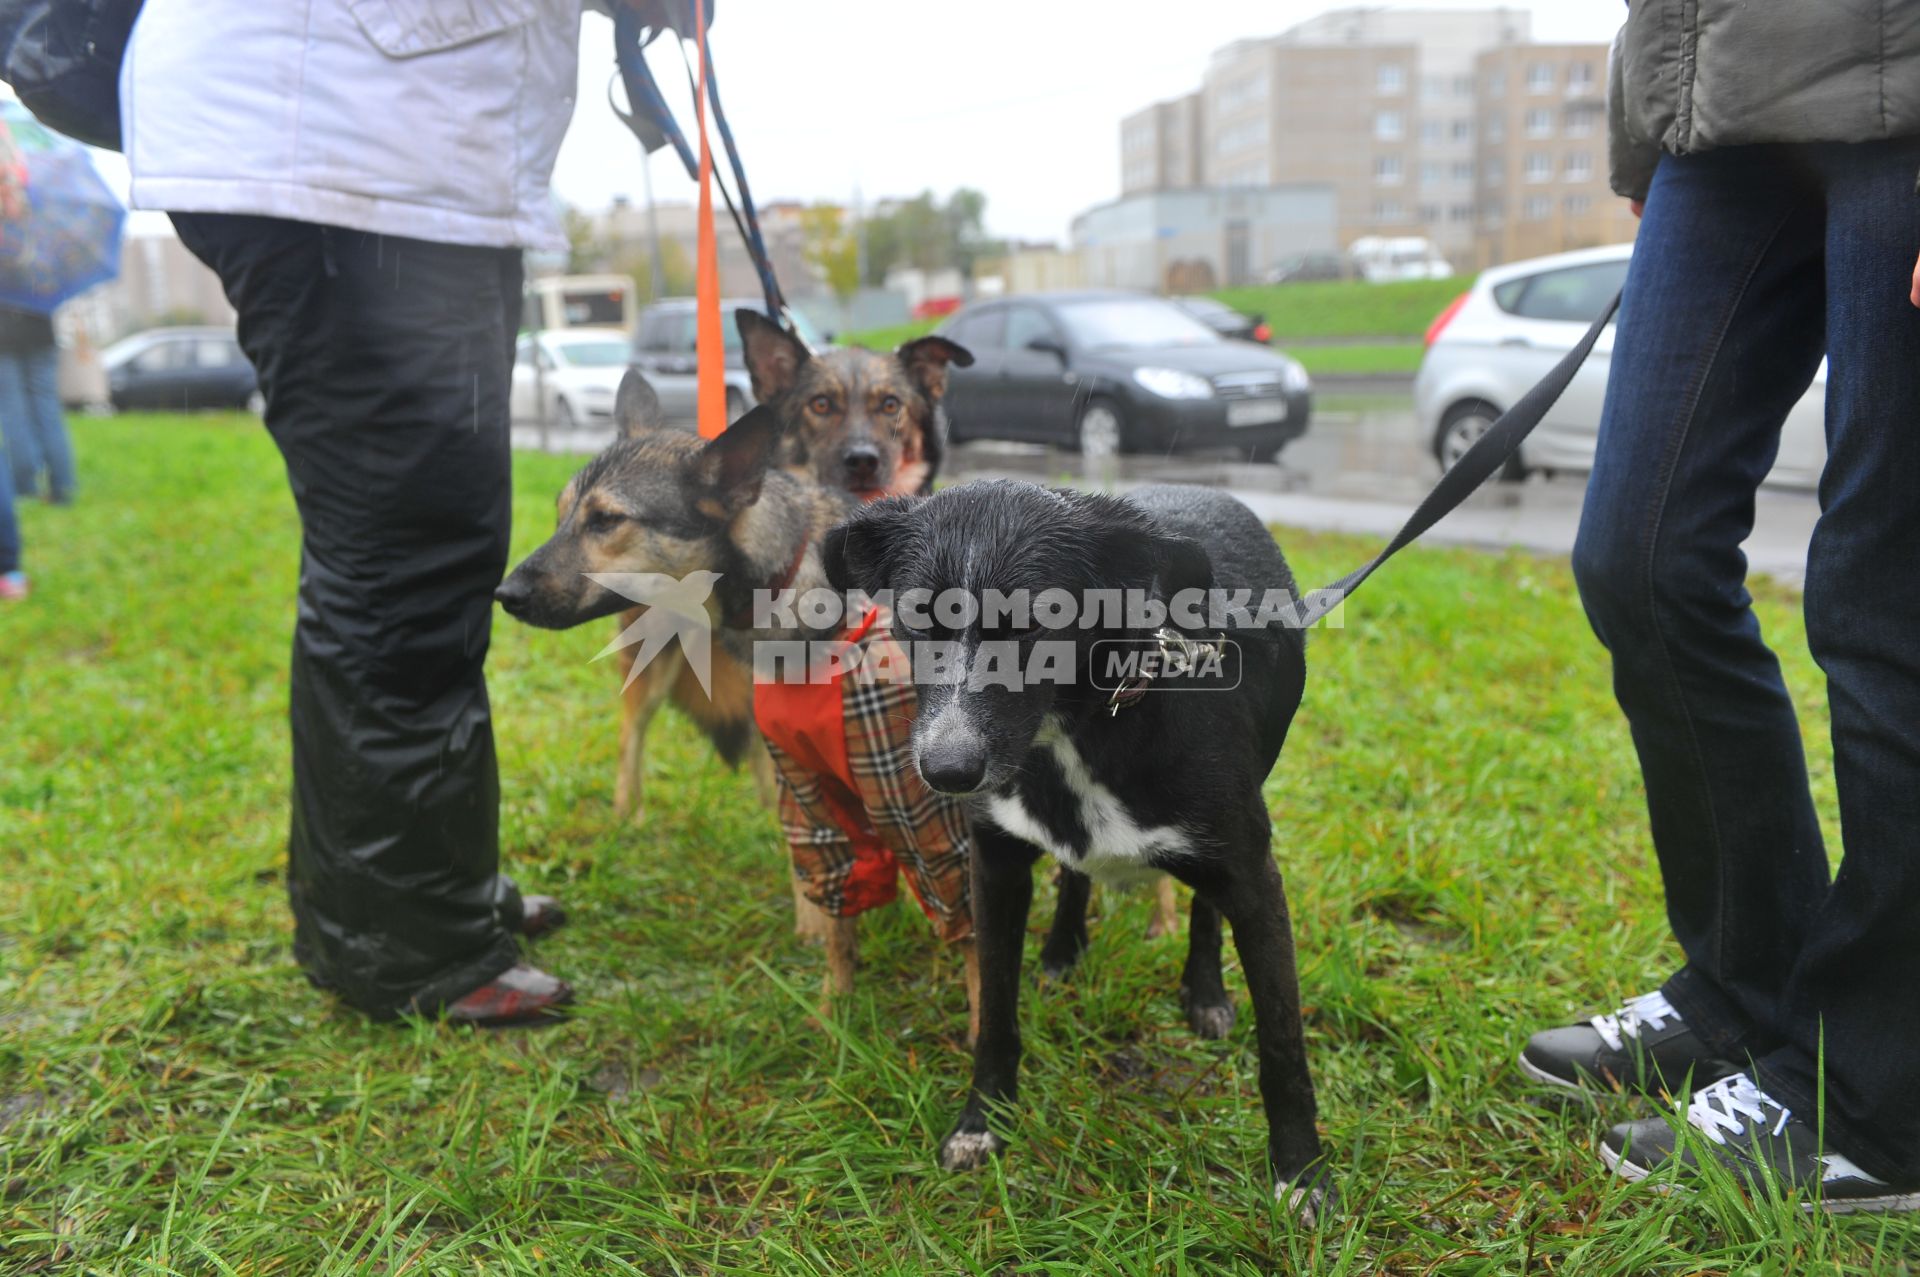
(1019, 98)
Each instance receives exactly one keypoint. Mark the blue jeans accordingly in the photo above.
(1752, 263)
(9, 529)
(30, 414)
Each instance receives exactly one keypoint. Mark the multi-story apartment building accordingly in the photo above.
(1389, 107)
(1541, 170)
(1160, 147)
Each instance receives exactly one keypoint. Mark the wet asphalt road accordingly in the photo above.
(1359, 468)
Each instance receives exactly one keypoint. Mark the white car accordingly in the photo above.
(1500, 337)
(577, 369)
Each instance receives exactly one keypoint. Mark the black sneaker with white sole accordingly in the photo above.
(1761, 1141)
(1644, 1046)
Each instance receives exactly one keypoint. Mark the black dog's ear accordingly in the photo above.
(636, 406)
(926, 361)
(773, 354)
(1180, 563)
(855, 552)
(734, 464)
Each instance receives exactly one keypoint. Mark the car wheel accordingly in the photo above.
(562, 415)
(1461, 428)
(1102, 432)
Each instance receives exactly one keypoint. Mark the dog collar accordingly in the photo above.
(1175, 652)
(742, 618)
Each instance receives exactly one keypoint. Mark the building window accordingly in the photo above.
(1580, 78)
(1497, 128)
(1463, 170)
(1539, 166)
(1580, 166)
(1389, 126)
(1492, 214)
(1390, 78)
(1430, 214)
(1387, 170)
(1581, 121)
(1463, 86)
(1460, 212)
(1244, 175)
(1433, 88)
(1432, 172)
(1539, 122)
(1495, 171)
(1462, 130)
(1241, 137)
(1537, 208)
(1579, 205)
(1235, 94)
(1496, 84)
(1388, 211)
(1432, 132)
(1540, 78)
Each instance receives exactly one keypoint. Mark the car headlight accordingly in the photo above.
(1171, 383)
(1296, 379)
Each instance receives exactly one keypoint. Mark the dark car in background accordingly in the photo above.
(1225, 320)
(179, 370)
(1111, 372)
(663, 349)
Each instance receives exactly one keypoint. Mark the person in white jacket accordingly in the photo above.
(363, 175)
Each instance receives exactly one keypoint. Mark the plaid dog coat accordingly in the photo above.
(854, 810)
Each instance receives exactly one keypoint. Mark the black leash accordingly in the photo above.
(1488, 453)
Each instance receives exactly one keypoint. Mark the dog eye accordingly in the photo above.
(820, 405)
(890, 405)
(604, 520)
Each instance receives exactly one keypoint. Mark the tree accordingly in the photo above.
(831, 248)
(676, 264)
(585, 250)
(925, 233)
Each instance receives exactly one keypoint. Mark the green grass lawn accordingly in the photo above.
(1458, 816)
(1360, 359)
(1347, 308)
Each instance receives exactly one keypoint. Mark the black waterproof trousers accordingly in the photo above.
(385, 364)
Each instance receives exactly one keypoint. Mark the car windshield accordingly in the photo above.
(1133, 321)
(1206, 306)
(611, 353)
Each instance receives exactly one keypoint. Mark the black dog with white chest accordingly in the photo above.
(1168, 781)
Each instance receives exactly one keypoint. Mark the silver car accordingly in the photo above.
(1503, 334)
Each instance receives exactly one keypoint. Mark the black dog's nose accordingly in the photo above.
(953, 771)
(863, 462)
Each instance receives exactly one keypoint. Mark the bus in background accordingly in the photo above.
(579, 301)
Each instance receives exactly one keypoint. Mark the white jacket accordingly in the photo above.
(432, 119)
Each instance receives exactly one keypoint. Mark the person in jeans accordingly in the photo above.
(13, 582)
(363, 178)
(36, 429)
(1781, 224)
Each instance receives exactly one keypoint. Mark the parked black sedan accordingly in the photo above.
(179, 369)
(1113, 372)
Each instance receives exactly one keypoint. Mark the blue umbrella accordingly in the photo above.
(66, 238)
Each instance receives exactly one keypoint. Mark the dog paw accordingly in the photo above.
(1054, 970)
(969, 1150)
(1211, 1022)
(1310, 1198)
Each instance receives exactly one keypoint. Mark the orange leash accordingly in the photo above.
(709, 339)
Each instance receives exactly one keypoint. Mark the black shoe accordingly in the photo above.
(1755, 1136)
(1644, 1046)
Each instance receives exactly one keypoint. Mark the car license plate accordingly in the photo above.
(1256, 412)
